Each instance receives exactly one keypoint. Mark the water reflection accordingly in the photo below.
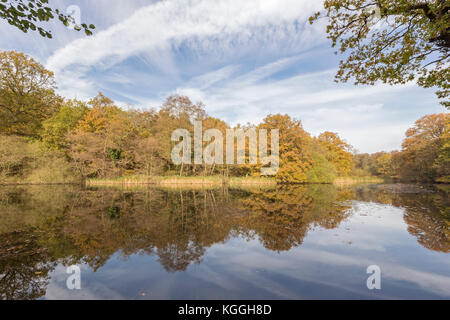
(45, 227)
(427, 210)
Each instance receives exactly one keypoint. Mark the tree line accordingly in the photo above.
(47, 138)
(425, 154)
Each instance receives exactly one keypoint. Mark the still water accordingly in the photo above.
(289, 242)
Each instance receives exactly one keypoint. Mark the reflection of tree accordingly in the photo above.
(426, 211)
(330, 206)
(282, 217)
(42, 227)
(176, 226)
(90, 226)
(174, 258)
(24, 266)
(430, 229)
(428, 218)
(197, 220)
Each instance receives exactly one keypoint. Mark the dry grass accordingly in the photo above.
(354, 180)
(182, 181)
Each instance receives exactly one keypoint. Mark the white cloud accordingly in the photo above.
(177, 21)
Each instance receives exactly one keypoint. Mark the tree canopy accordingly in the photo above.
(391, 41)
(30, 14)
(27, 95)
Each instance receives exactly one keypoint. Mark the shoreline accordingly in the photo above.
(176, 180)
(342, 181)
(207, 181)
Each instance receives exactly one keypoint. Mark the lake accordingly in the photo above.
(284, 242)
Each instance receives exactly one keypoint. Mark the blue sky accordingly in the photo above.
(243, 59)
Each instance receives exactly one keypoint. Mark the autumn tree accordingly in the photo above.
(144, 146)
(442, 162)
(181, 107)
(386, 165)
(15, 156)
(392, 41)
(31, 14)
(422, 146)
(27, 95)
(295, 154)
(97, 144)
(222, 126)
(362, 164)
(56, 128)
(177, 112)
(336, 151)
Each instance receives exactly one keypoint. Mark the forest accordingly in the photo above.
(46, 138)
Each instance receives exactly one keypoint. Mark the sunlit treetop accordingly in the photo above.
(29, 14)
(394, 41)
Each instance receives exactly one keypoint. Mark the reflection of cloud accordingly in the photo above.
(94, 290)
(432, 282)
(251, 267)
(303, 264)
(373, 230)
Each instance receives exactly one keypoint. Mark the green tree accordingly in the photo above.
(27, 95)
(392, 41)
(28, 14)
(56, 128)
(322, 172)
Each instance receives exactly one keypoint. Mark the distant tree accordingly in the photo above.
(361, 164)
(56, 128)
(29, 14)
(295, 152)
(422, 146)
(395, 41)
(182, 107)
(177, 112)
(22, 161)
(106, 140)
(146, 154)
(442, 162)
(27, 95)
(336, 152)
(101, 112)
(222, 126)
(323, 171)
(386, 165)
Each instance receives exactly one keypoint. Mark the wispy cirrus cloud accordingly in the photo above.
(197, 22)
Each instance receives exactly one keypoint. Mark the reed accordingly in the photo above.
(177, 180)
(355, 180)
